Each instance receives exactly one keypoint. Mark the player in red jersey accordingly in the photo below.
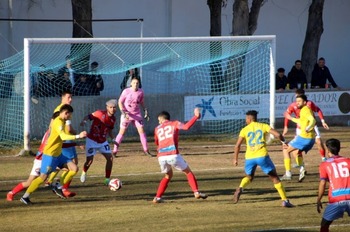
(166, 137)
(102, 125)
(35, 172)
(336, 171)
(293, 109)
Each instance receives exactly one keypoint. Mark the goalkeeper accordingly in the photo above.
(129, 104)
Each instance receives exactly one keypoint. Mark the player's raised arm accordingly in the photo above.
(190, 123)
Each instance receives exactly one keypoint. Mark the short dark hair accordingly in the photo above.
(165, 115)
(302, 96)
(66, 107)
(55, 115)
(300, 92)
(281, 70)
(252, 113)
(298, 61)
(67, 91)
(321, 58)
(333, 146)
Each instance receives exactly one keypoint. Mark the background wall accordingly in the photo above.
(283, 18)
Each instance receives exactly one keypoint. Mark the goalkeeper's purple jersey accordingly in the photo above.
(131, 100)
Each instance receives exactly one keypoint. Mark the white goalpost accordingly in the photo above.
(224, 76)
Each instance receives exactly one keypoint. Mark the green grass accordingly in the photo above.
(96, 208)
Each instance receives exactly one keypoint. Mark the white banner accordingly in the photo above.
(225, 107)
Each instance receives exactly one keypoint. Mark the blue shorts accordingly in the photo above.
(336, 210)
(264, 162)
(49, 163)
(69, 152)
(302, 144)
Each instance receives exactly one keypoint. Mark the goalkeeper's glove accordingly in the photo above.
(146, 115)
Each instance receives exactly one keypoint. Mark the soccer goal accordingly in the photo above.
(224, 76)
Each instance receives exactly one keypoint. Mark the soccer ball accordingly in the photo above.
(115, 184)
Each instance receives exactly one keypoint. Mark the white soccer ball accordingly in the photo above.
(115, 184)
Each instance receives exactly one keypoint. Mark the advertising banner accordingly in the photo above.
(227, 107)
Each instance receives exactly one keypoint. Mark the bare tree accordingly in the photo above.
(244, 22)
(82, 16)
(215, 16)
(216, 76)
(82, 28)
(312, 40)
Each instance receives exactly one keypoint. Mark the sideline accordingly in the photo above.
(298, 228)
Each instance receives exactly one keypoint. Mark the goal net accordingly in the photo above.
(224, 76)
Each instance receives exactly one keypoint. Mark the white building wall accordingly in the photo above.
(284, 18)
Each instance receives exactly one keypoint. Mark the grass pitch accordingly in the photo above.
(96, 208)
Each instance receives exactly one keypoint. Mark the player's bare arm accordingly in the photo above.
(285, 128)
(321, 189)
(197, 112)
(237, 149)
(324, 124)
(278, 135)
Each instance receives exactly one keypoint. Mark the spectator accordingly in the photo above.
(34, 91)
(67, 72)
(48, 85)
(133, 72)
(63, 80)
(83, 86)
(281, 80)
(297, 77)
(321, 74)
(96, 79)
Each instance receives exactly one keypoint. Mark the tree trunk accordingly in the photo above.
(243, 23)
(240, 19)
(215, 17)
(254, 15)
(313, 34)
(82, 28)
(216, 77)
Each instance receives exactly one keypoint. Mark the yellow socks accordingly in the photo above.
(299, 160)
(68, 177)
(281, 191)
(287, 165)
(52, 176)
(245, 181)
